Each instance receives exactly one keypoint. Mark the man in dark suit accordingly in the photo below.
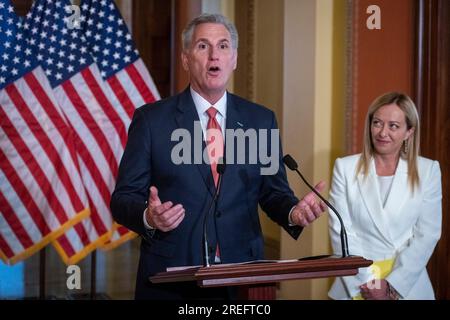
(166, 201)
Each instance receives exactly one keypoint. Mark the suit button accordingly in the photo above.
(218, 214)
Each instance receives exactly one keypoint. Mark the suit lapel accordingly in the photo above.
(370, 193)
(186, 117)
(399, 190)
(234, 121)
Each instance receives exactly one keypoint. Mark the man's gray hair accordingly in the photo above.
(186, 36)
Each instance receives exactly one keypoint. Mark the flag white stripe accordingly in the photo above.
(84, 133)
(99, 115)
(27, 178)
(110, 95)
(74, 239)
(41, 158)
(101, 207)
(129, 87)
(119, 107)
(20, 211)
(94, 193)
(140, 67)
(39, 73)
(60, 145)
(10, 237)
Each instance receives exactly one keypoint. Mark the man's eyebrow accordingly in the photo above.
(207, 41)
(202, 40)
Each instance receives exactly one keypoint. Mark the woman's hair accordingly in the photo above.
(412, 143)
(186, 36)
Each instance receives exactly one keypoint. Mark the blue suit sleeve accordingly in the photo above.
(129, 198)
(276, 197)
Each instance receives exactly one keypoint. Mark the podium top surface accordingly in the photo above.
(264, 271)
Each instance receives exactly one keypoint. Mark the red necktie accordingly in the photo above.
(214, 145)
(214, 142)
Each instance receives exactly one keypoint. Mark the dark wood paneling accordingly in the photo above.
(245, 24)
(380, 60)
(152, 35)
(185, 11)
(22, 7)
(432, 93)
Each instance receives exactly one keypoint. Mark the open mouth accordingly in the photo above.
(213, 70)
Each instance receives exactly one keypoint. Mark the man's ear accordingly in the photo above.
(235, 59)
(184, 60)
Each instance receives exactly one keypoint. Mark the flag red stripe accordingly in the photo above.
(65, 133)
(140, 84)
(5, 248)
(81, 231)
(101, 186)
(98, 224)
(28, 156)
(66, 245)
(103, 101)
(23, 194)
(99, 182)
(90, 164)
(82, 234)
(121, 95)
(100, 227)
(122, 230)
(92, 125)
(14, 223)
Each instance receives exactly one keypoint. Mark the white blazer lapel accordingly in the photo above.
(370, 193)
(399, 191)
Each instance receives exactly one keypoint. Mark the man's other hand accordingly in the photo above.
(163, 216)
(309, 208)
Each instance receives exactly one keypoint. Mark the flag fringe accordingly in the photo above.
(80, 255)
(112, 245)
(47, 239)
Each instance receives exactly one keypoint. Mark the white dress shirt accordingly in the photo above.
(201, 105)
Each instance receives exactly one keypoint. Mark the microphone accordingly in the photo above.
(220, 170)
(292, 164)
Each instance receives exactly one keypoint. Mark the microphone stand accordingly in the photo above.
(220, 171)
(292, 164)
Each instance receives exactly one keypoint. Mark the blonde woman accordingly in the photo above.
(390, 199)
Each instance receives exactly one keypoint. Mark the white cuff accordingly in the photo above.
(291, 224)
(147, 226)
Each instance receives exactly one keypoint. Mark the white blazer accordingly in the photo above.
(407, 228)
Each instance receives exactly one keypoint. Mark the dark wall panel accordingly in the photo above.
(432, 92)
(152, 34)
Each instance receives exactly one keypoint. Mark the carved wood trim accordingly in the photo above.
(251, 53)
(432, 95)
(349, 110)
(244, 76)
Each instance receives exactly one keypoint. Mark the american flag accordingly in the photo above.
(126, 77)
(83, 86)
(41, 191)
(112, 47)
(100, 134)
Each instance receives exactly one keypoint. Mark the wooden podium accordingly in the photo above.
(258, 279)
